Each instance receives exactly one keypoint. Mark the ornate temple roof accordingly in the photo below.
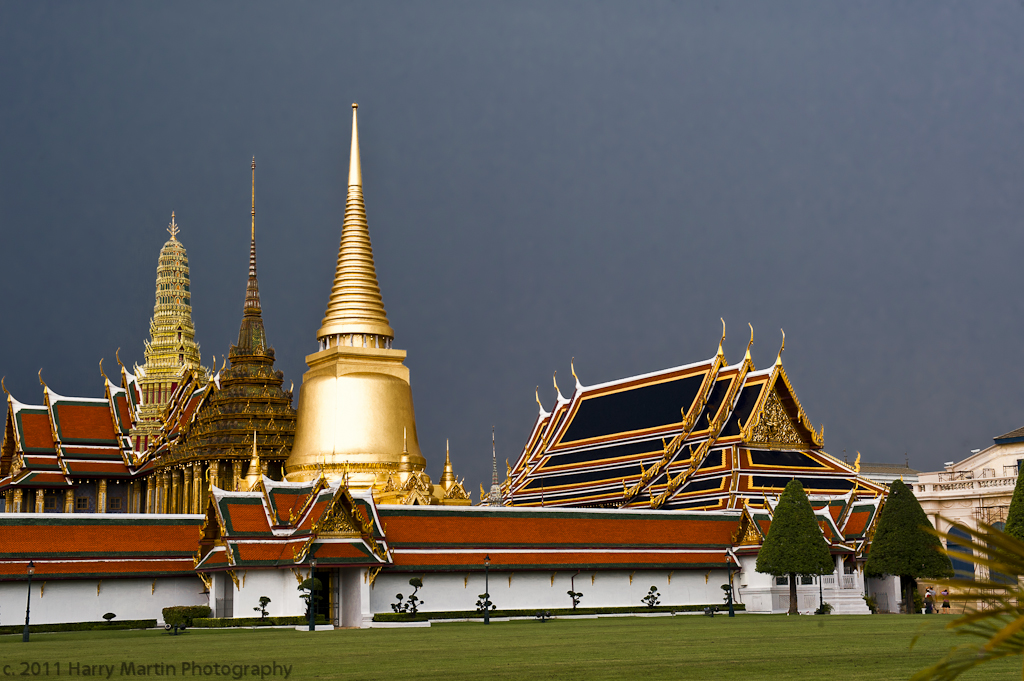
(707, 435)
(326, 522)
(218, 418)
(97, 546)
(66, 439)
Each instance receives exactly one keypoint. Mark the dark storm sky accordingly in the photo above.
(543, 181)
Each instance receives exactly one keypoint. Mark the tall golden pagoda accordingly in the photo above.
(172, 349)
(356, 421)
(241, 420)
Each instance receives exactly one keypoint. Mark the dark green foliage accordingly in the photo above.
(109, 616)
(227, 622)
(181, 616)
(903, 544)
(312, 588)
(483, 604)
(575, 596)
(794, 545)
(652, 597)
(79, 626)
(1015, 517)
(414, 603)
(262, 607)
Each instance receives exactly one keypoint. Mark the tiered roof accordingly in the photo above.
(285, 524)
(708, 435)
(67, 439)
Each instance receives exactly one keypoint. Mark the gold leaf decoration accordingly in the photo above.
(775, 427)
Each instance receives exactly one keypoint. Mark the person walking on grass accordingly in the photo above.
(945, 601)
(929, 601)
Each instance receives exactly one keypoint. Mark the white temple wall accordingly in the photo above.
(527, 590)
(280, 586)
(79, 600)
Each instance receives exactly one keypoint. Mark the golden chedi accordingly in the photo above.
(356, 421)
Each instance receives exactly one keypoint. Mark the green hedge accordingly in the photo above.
(555, 612)
(219, 622)
(183, 615)
(80, 626)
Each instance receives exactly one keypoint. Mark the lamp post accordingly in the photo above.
(821, 597)
(312, 594)
(732, 609)
(487, 591)
(28, 601)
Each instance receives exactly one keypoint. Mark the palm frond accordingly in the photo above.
(999, 621)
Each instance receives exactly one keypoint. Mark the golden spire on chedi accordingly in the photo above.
(355, 306)
(356, 421)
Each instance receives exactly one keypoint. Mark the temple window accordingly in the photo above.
(114, 504)
(82, 504)
(49, 503)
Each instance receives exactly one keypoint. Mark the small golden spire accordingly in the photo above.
(856, 464)
(746, 357)
(554, 380)
(721, 353)
(355, 305)
(172, 228)
(572, 366)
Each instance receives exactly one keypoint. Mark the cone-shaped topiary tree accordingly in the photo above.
(1015, 517)
(903, 546)
(794, 545)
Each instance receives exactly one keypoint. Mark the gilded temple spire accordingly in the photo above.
(252, 337)
(355, 313)
(494, 498)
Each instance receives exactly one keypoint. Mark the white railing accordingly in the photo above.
(828, 581)
(968, 484)
(849, 582)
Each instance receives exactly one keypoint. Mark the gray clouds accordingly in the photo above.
(597, 180)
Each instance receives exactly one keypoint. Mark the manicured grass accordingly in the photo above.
(645, 649)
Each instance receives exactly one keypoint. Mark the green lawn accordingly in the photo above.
(641, 649)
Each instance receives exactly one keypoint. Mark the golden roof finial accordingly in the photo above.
(746, 357)
(721, 353)
(355, 305)
(41, 381)
(856, 464)
(778, 359)
(572, 365)
(447, 476)
(554, 380)
(172, 228)
(101, 371)
(3, 386)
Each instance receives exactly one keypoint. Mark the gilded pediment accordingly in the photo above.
(773, 426)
